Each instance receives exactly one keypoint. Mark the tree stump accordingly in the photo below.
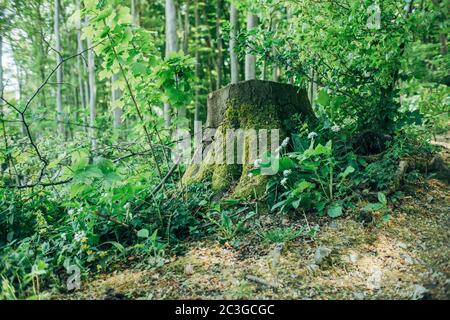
(252, 104)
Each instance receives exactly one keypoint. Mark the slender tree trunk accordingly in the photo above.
(1, 65)
(59, 80)
(134, 13)
(116, 95)
(80, 66)
(42, 58)
(250, 59)
(444, 44)
(19, 82)
(171, 46)
(219, 44)
(92, 94)
(186, 29)
(313, 87)
(233, 55)
(197, 62)
(87, 100)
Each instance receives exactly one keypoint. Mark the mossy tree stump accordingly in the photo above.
(246, 105)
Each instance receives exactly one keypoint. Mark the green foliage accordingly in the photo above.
(64, 203)
(312, 177)
(279, 235)
(228, 223)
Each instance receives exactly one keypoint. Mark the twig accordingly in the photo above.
(262, 281)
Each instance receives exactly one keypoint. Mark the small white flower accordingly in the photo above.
(80, 236)
(257, 163)
(286, 173)
(335, 128)
(127, 206)
(284, 182)
(285, 142)
(250, 175)
(71, 212)
(312, 135)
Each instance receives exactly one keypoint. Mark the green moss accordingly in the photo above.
(225, 177)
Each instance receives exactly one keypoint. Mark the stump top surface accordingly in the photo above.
(282, 96)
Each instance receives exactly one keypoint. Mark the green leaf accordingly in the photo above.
(323, 98)
(373, 207)
(335, 211)
(138, 68)
(382, 198)
(117, 245)
(347, 171)
(286, 163)
(143, 233)
(278, 205)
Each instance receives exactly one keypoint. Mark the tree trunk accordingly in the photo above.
(186, 29)
(233, 54)
(247, 105)
(92, 94)
(59, 80)
(115, 96)
(80, 66)
(250, 59)
(134, 12)
(1, 66)
(219, 61)
(171, 46)
(197, 63)
(444, 44)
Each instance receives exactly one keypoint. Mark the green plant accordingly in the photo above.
(312, 178)
(228, 224)
(278, 235)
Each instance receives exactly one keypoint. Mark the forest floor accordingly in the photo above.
(404, 258)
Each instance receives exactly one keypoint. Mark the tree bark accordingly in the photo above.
(248, 105)
(116, 94)
(219, 61)
(80, 67)
(444, 44)
(1, 66)
(197, 63)
(59, 80)
(233, 55)
(171, 46)
(250, 59)
(92, 94)
(186, 29)
(134, 12)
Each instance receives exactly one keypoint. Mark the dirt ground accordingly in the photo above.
(404, 258)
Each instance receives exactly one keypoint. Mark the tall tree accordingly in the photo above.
(171, 46)
(59, 80)
(134, 13)
(92, 93)
(82, 92)
(1, 63)
(250, 59)
(233, 54)
(116, 95)
(186, 28)
(197, 63)
(219, 61)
